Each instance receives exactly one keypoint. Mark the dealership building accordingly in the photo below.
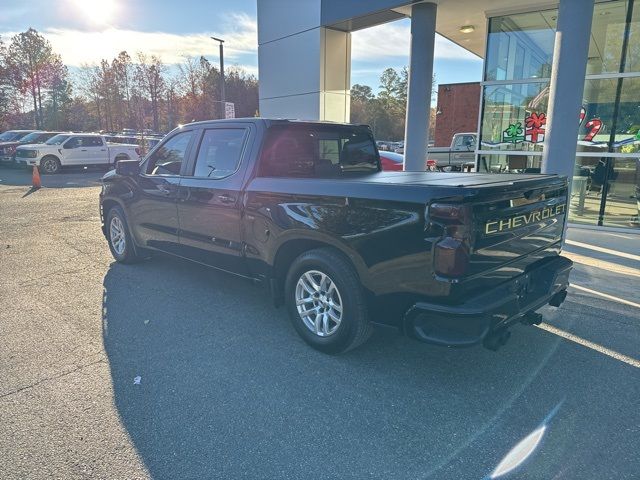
(560, 91)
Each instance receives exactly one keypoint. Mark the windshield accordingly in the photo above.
(32, 137)
(57, 140)
(8, 136)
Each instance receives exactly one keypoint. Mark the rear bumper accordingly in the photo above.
(469, 323)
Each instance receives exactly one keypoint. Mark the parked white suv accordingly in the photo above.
(71, 149)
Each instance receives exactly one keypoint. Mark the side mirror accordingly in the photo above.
(128, 168)
(69, 145)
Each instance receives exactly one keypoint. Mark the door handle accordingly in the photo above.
(164, 190)
(103, 149)
(83, 149)
(224, 198)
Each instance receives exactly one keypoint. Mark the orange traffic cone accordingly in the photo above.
(35, 178)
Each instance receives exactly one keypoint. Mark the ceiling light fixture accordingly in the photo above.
(467, 28)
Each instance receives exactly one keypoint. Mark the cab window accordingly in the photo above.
(317, 151)
(168, 158)
(92, 142)
(220, 151)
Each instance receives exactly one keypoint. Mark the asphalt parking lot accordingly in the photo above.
(170, 370)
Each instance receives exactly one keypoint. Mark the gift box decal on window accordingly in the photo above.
(535, 127)
(513, 133)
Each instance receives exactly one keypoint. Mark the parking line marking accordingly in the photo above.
(606, 295)
(626, 237)
(603, 250)
(593, 346)
(602, 264)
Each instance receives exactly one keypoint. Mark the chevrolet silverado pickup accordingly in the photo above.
(304, 208)
(74, 149)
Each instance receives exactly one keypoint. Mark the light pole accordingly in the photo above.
(222, 93)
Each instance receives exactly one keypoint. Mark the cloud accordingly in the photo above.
(78, 47)
(392, 40)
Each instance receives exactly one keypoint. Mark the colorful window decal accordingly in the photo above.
(535, 127)
(513, 133)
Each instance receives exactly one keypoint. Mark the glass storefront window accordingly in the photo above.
(622, 205)
(510, 163)
(627, 134)
(514, 116)
(586, 186)
(607, 34)
(632, 61)
(599, 108)
(520, 46)
(606, 180)
(598, 105)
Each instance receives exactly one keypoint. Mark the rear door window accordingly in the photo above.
(220, 152)
(92, 142)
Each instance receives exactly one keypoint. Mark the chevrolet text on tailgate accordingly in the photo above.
(452, 259)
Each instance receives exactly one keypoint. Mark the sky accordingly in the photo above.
(85, 31)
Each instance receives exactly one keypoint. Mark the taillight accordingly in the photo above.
(10, 149)
(451, 254)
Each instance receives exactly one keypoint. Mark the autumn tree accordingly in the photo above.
(123, 71)
(30, 60)
(386, 111)
(149, 73)
(58, 97)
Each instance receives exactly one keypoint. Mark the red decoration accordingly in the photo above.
(593, 126)
(535, 124)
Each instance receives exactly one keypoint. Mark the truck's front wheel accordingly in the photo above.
(50, 164)
(326, 302)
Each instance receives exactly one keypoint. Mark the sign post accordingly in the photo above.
(229, 110)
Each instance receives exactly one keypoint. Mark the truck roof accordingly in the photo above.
(274, 121)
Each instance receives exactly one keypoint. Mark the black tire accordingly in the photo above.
(50, 165)
(130, 253)
(354, 328)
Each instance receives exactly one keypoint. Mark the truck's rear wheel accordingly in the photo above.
(326, 302)
(50, 165)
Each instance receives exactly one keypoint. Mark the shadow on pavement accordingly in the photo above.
(228, 390)
(71, 177)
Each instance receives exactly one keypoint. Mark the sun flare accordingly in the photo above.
(96, 11)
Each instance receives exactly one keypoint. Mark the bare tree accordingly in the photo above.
(149, 77)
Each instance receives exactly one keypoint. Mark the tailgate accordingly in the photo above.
(517, 225)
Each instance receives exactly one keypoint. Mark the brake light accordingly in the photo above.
(450, 213)
(451, 254)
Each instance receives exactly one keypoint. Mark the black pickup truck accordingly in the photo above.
(449, 258)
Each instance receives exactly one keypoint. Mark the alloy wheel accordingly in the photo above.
(116, 233)
(319, 303)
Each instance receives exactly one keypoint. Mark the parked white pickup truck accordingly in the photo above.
(460, 154)
(72, 149)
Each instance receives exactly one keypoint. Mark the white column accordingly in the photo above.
(570, 54)
(305, 69)
(416, 137)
